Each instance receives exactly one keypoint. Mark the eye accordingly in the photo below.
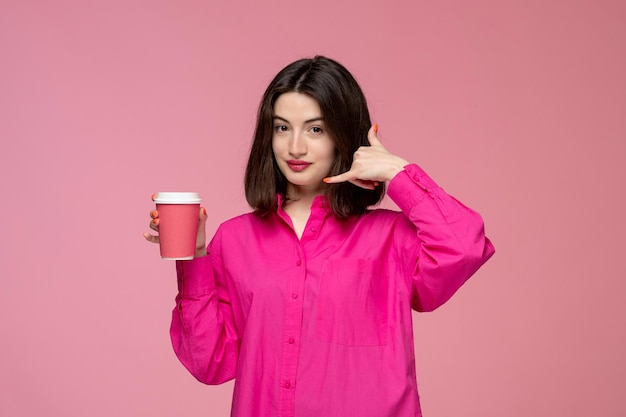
(280, 128)
(318, 130)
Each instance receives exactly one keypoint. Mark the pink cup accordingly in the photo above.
(178, 224)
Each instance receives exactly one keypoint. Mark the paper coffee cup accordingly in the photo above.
(178, 224)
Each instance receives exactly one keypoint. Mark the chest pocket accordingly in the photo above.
(352, 304)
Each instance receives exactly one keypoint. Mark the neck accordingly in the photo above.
(302, 195)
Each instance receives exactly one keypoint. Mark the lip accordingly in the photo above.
(297, 165)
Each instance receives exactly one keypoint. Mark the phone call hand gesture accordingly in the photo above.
(371, 164)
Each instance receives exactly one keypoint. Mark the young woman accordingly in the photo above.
(307, 301)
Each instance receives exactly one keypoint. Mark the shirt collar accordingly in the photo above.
(319, 202)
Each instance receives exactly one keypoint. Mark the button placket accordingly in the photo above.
(291, 332)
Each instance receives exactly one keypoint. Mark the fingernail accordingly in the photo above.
(326, 179)
(155, 221)
(153, 196)
(153, 214)
(375, 127)
(203, 211)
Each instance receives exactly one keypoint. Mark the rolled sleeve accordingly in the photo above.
(195, 277)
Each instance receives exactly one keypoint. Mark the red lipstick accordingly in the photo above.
(297, 165)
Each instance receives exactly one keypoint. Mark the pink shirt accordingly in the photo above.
(322, 325)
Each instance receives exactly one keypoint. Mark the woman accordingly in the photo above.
(307, 301)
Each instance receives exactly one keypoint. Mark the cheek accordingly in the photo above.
(330, 157)
(275, 146)
(330, 152)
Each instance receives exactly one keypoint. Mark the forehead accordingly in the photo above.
(296, 106)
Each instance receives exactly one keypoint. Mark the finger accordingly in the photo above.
(367, 184)
(154, 224)
(346, 176)
(154, 214)
(153, 196)
(151, 238)
(203, 218)
(372, 136)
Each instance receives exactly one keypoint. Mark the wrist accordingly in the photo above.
(397, 167)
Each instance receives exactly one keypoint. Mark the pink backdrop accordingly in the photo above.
(516, 107)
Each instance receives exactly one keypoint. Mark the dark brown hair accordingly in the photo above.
(346, 118)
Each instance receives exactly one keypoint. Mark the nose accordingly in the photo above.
(297, 145)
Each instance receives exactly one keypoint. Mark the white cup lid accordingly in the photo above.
(175, 197)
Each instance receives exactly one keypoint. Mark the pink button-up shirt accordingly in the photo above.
(321, 326)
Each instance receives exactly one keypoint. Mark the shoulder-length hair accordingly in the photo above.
(346, 119)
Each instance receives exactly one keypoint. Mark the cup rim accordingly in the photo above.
(177, 197)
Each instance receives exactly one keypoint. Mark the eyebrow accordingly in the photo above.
(315, 119)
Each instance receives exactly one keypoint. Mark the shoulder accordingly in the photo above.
(245, 220)
(379, 227)
(237, 230)
(383, 218)
(380, 214)
(245, 225)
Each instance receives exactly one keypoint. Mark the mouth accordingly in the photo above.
(298, 165)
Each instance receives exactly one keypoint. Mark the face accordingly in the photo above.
(302, 147)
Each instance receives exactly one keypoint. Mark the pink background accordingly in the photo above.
(518, 108)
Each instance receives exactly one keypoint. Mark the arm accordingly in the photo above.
(203, 332)
(451, 244)
(448, 242)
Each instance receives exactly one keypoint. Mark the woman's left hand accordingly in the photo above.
(371, 164)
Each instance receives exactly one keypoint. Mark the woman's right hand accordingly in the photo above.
(200, 237)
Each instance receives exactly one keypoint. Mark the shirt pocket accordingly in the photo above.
(352, 303)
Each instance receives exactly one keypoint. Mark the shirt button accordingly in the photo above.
(313, 230)
(287, 384)
(292, 340)
(294, 295)
(298, 262)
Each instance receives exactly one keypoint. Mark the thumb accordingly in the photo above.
(201, 236)
(372, 136)
(203, 216)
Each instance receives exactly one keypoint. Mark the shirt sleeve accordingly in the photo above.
(451, 244)
(203, 332)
